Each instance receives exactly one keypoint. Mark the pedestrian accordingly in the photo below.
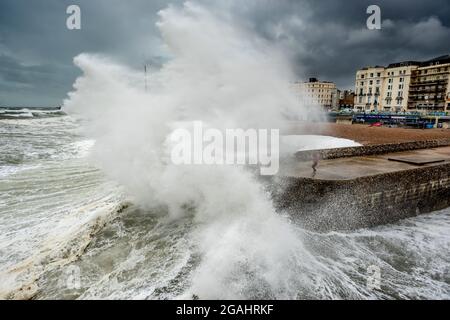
(315, 159)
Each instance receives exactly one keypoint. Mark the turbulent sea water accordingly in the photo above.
(94, 208)
(67, 232)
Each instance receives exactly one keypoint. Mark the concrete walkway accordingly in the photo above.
(354, 167)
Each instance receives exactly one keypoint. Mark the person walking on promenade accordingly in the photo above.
(315, 159)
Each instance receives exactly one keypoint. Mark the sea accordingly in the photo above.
(68, 231)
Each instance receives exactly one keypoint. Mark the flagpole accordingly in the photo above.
(145, 76)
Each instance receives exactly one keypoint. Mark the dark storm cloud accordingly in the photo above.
(37, 49)
(329, 39)
(326, 38)
(33, 85)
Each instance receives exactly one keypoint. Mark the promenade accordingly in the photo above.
(356, 167)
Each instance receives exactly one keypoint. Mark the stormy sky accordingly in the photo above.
(324, 38)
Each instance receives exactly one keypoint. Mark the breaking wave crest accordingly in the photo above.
(238, 232)
(188, 231)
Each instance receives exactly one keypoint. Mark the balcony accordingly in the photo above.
(430, 99)
(415, 82)
(428, 89)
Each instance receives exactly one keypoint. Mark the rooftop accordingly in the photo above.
(435, 61)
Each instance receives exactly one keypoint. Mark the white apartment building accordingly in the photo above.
(315, 92)
(368, 88)
(430, 86)
(395, 92)
(405, 86)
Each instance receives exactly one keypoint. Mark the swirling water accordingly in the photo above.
(58, 213)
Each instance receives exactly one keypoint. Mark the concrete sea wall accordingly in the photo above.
(325, 205)
(367, 201)
(371, 149)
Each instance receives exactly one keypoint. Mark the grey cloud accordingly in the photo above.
(329, 38)
(326, 38)
(37, 50)
(33, 85)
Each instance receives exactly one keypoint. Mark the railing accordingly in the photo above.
(418, 83)
(442, 89)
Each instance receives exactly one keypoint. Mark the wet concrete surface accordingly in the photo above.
(356, 167)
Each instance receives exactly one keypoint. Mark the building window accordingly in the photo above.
(371, 75)
(379, 74)
(401, 79)
(371, 82)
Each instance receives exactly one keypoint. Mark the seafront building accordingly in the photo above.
(315, 92)
(396, 86)
(404, 86)
(346, 99)
(429, 89)
(368, 88)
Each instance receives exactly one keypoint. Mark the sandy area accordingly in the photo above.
(368, 135)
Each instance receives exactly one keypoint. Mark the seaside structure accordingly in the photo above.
(404, 86)
(315, 92)
(396, 86)
(366, 186)
(429, 89)
(346, 99)
(368, 86)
